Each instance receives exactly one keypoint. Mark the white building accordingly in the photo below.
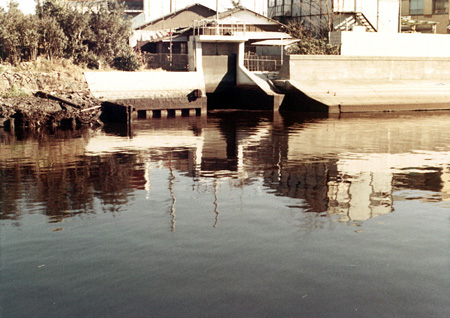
(333, 15)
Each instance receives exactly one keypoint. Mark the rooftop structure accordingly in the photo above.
(132, 7)
(334, 15)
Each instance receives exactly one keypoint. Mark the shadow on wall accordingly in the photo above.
(223, 92)
(299, 101)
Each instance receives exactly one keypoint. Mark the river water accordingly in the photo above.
(237, 214)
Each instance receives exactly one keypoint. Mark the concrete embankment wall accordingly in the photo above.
(150, 90)
(354, 84)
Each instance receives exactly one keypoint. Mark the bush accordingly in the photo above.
(309, 44)
(89, 60)
(127, 63)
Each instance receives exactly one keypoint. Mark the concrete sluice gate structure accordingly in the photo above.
(214, 74)
(329, 84)
(376, 71)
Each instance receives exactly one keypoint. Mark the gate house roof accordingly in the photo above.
(180, 18)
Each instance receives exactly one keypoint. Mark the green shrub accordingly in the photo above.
(127, 63)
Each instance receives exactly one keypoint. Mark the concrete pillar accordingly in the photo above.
(192, 112)
(149, 114)
(199, 57)
(178, 113)
(146, 10)
(241, 54)
(241, 78)
(191, 55)
(164, 113)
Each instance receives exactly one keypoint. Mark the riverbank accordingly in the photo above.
(24, 99)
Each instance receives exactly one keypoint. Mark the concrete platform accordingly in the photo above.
(367, 95)
(339, 84)
(150, 92)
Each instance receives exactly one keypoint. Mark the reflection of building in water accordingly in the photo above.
(370, 179)
(344, 168)
(364, 196)
(306, 181)
(445, 177)
(369, 166)
(347, 168)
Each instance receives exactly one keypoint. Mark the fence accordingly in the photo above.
(166, 61)
(263, 63)
(202, 27)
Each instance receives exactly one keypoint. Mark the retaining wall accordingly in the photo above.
(334, 67)
(354, 84)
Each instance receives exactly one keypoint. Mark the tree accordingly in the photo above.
(18, 35)
(110, 32)
(53, 39)
(74, 24)
(97, 34)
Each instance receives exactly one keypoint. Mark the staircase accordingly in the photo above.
(354, 19)
(361, 18)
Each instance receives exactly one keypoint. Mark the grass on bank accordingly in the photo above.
(15, 92)
(20, 80)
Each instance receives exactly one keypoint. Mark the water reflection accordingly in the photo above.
(346, 169)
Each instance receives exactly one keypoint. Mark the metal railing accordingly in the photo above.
(211, 27)
(166, 61)
(263, 63)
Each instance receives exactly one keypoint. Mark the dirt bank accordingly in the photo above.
(24, 99)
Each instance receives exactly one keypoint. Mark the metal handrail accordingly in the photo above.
(205, 27)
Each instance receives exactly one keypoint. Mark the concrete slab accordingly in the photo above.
(353, 96)
(138, 85)
(150, 90)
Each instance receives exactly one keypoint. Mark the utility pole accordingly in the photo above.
(146, 10)
(217, 10)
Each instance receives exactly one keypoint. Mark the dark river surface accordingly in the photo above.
(237, 214)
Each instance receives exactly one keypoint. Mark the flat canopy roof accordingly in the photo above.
(283, 42)
(266, 35)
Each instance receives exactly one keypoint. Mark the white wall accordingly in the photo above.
(388, 12)
(392, 44)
